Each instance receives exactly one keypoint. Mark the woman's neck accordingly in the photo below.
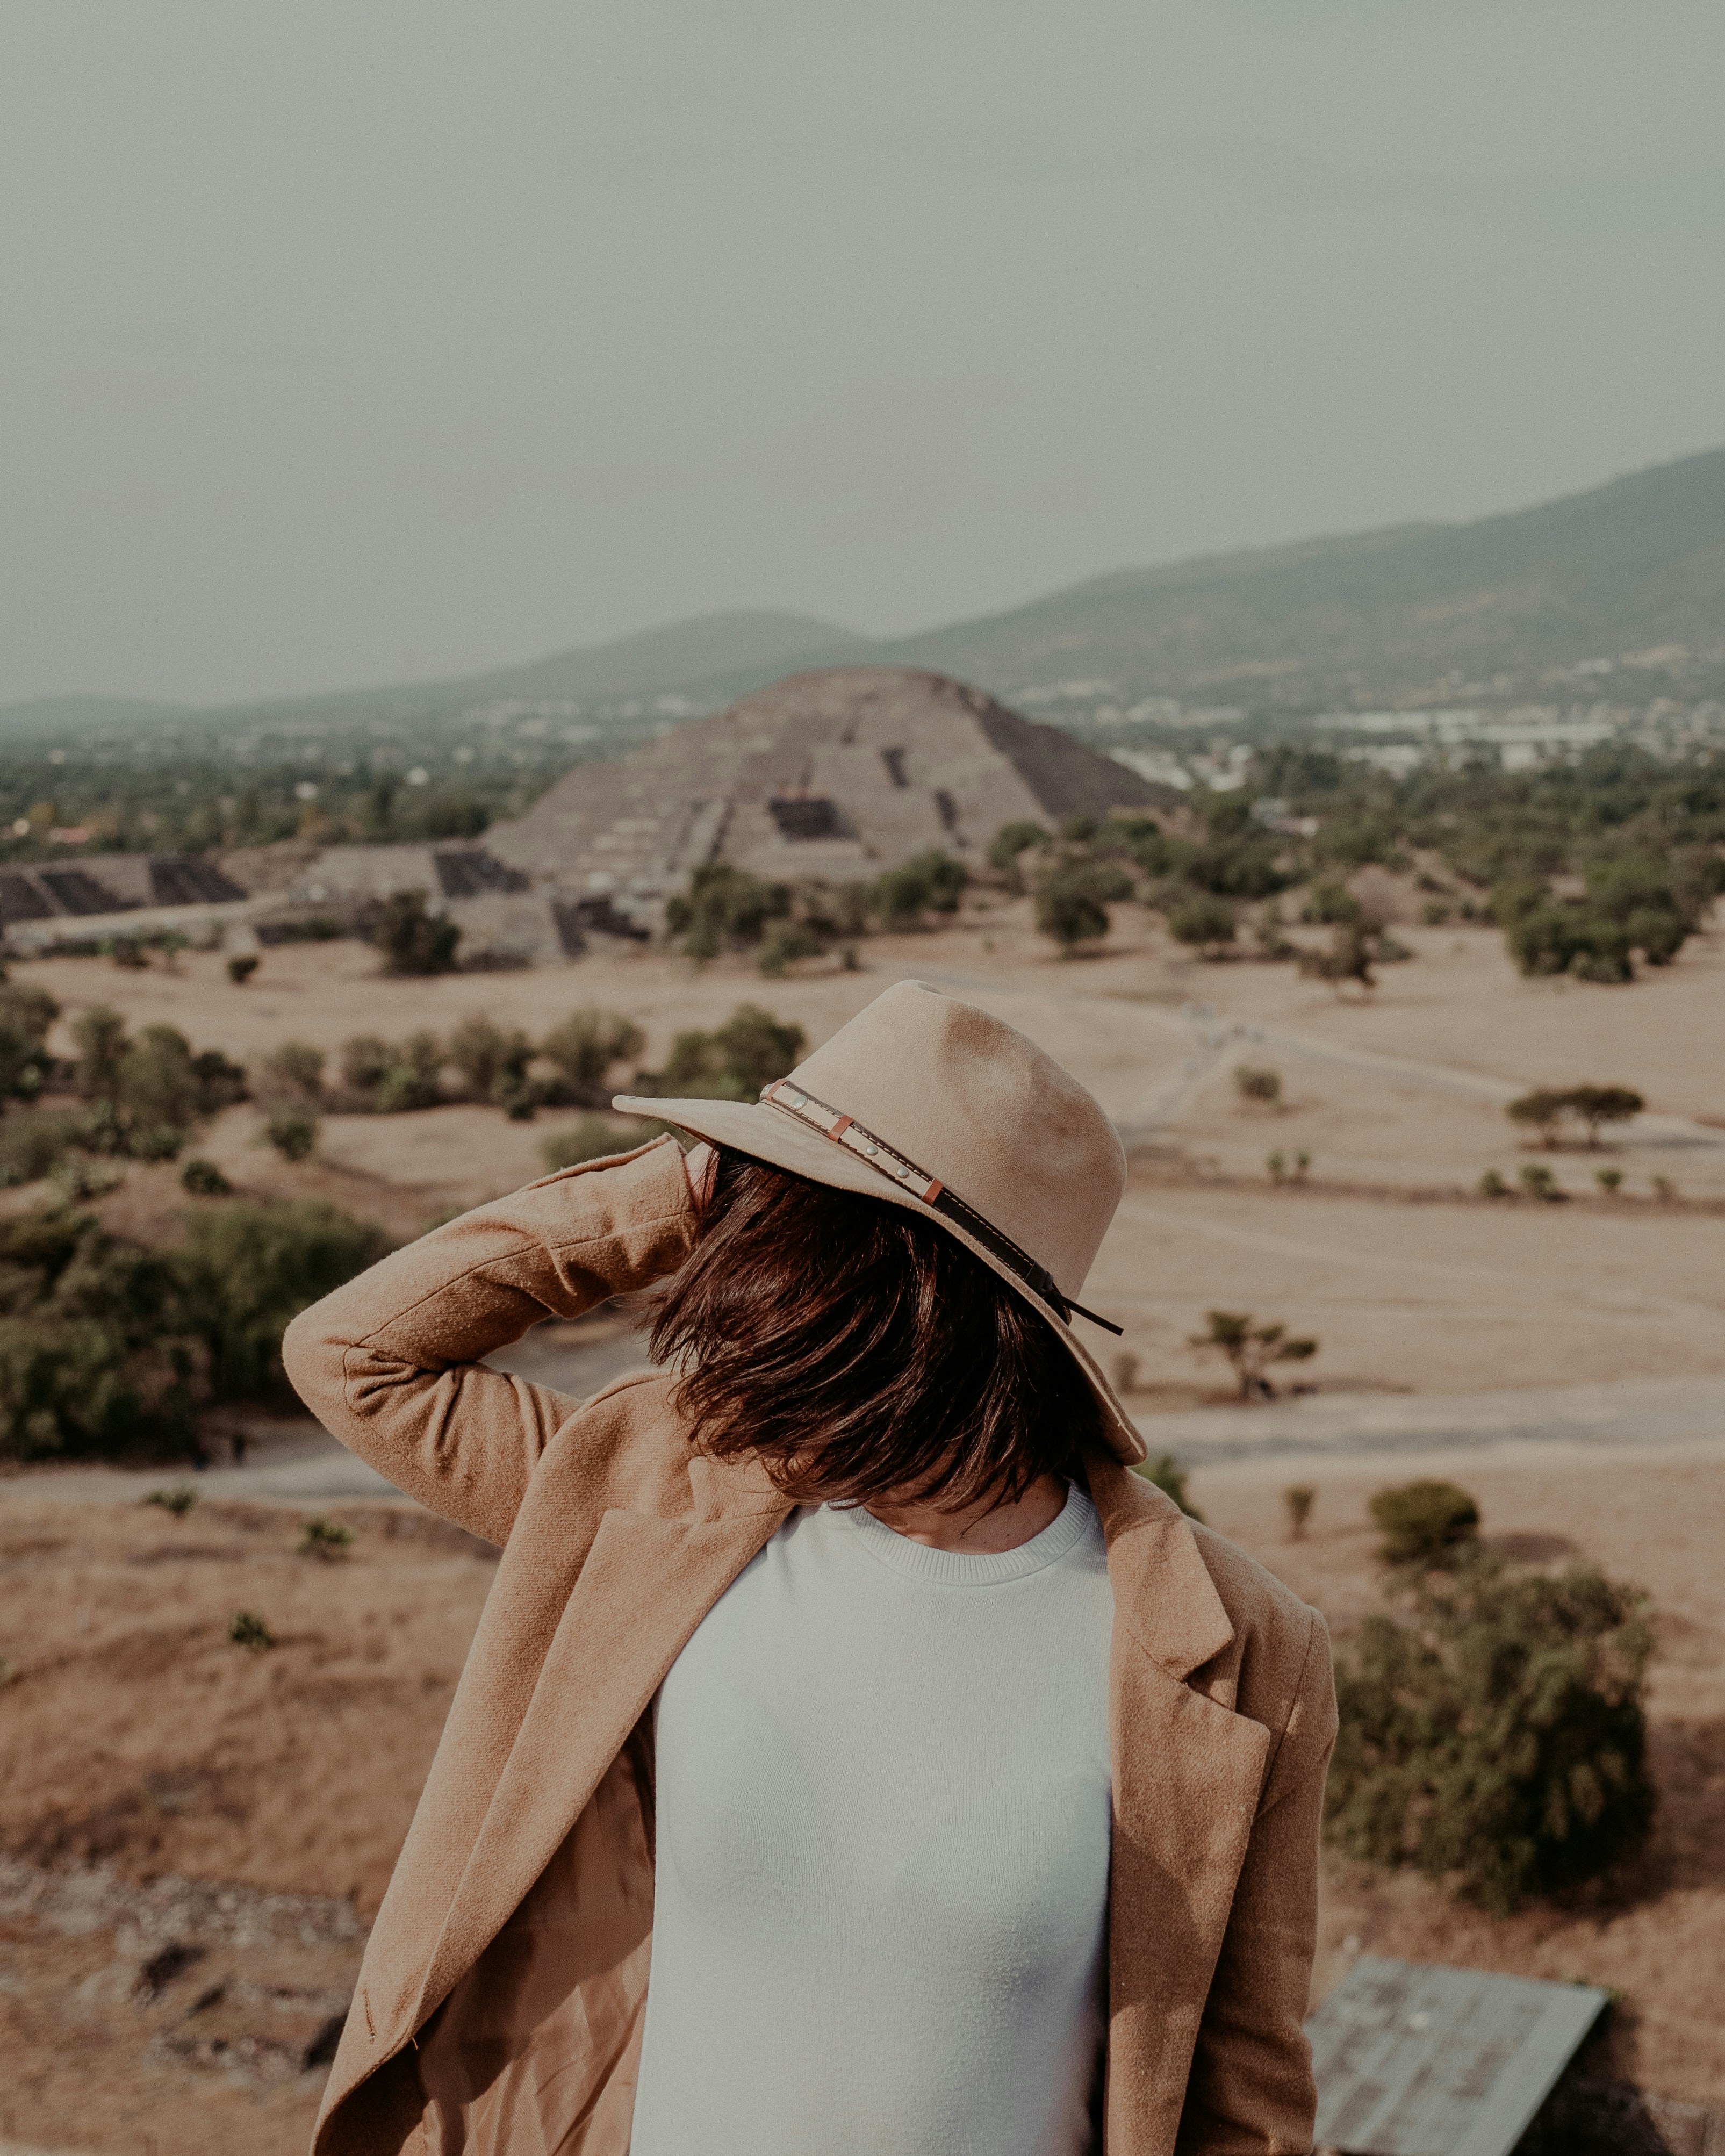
(983, 1529)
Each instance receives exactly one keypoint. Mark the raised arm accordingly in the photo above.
(391, 1364)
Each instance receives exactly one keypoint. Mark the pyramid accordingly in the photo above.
(836, 774)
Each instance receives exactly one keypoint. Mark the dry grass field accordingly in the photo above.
(162, 1786)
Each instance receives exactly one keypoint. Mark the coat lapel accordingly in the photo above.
(1187, 1775)
(645, 1585)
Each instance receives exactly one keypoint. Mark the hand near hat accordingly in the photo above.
(701, 1167)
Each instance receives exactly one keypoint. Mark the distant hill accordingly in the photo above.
(1634, 568)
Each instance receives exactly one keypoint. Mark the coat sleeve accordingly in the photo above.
(391, 1363)
(1250, 2092)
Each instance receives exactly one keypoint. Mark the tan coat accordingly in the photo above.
(499, 2007)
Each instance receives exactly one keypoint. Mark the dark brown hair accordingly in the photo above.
(860, 1351)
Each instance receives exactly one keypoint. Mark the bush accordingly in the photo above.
(414, 941)
(1253, 1085)
(1297, 1501)
(493, 1063)
(1006, 845)
(1166, 1472)
(242, 966)
(1331, 906)
(177, 1502)
(586, 1047)
(327, 1539)
(931, 882)
(294, 1072)
(394, 1077)
(247, 1270)
(1498, 1737)
(249, 1631)
(1493, 1185)
(26, 1013)
(204, 1179)
(92, 1342)
(1069, 911)
(595, 1137)
(1538, 1180)
(293, 1133)
(748, 1052)
(724, 909)
(1423, 1522)
(1251, 1349)
(1205, 921)
(782, 948)
(1541, 1111)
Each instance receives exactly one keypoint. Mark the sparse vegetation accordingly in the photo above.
(411, 940)
(327, 1540)
(734, 1062)
(1251, 1350)
(241, 967)
(248, 1630)
(1423, 1522)
(1297, 1501)
(1166, 1472)
(1610, 1180)
(203, 1179)
(1496, 1738)
(585, 1047)
(1543, 1110)
(1263, 1087)
(177, 1502)
(293, 1133)
(1539, 1181)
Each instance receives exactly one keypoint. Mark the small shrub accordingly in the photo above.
(1277, 1164)
(1260, 1085)
(1331, 905)
(247, 1269)
(1493, 1185)
(1539, 1181)
(1204, 921)
(492, 1064)
(785, 946)
(249, 1631)
(203, 1179)
(178, 1501)
(293, 1134)
(586, 1047)
(1349, 958)
(752, 1050)
(594, 1137)
(931, 882)
(413, 941)
(724, 908)
(1610, 1180)
(1423, 1522)
(1251, 1349)
(293, 1072)
(1434, 913)
(327, 1539)
(130, 954)
(1004, 847)
(1302, 1164)
(413, 1078)
(1498, 1738)
(1297, 1501)
(241, 967)
(1167, 1473)
(1664, 1190)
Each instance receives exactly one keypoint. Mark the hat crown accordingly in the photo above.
(993, 1117)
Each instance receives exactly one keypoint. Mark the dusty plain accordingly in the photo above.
(163, 1788)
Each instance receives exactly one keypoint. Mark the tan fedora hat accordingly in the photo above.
(935, 1105)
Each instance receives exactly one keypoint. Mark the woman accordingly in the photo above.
(982, 1786)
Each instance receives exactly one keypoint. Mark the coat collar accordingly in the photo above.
(1163, 1595)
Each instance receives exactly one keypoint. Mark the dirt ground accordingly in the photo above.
(142, 1742)
(163, 1788)
(1398, 1102)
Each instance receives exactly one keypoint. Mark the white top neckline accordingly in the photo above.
(969, 1568)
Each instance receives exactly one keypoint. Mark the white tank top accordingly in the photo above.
(882, 1851)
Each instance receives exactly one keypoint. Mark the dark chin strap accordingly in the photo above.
(846, 1130)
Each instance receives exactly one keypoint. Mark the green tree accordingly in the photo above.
(1596, 1105)
(411, 940)
(26, 1013)
(1070, 901)
(586, 1048)
(493, 1063)
(1008, 843)
(931, 882)
(1541, 1111)
(1204, 921)
(247, 1269)
(724, 909)
(751, 1050)
(1497, 1737)
(1249, 1350)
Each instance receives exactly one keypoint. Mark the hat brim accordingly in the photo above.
(768, 1134)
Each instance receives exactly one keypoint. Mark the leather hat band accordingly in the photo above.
(845, 1130)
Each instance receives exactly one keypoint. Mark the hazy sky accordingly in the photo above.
(355, 339)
